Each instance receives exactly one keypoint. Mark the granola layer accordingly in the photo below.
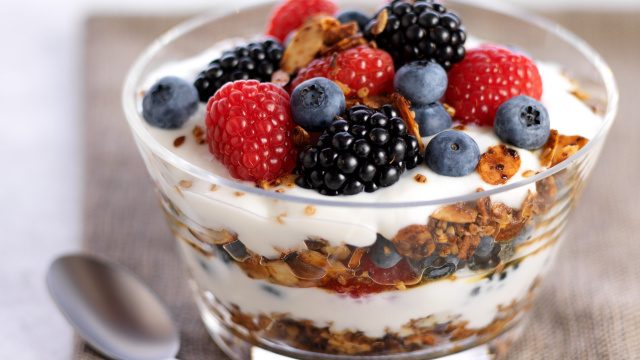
(428, 333)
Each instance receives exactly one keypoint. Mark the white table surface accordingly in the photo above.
(40, 185)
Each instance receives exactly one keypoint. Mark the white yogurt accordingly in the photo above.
(463, 299)
(259, 220)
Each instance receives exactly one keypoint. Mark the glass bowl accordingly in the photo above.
(292, 275)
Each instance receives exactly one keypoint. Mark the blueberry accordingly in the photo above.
(383, 253)
(485, 246)
(316, 103)
(432, 119)
(442, 267)
(523, 122)
(452, 153)
(352, 15)
(169, 103)
(486, 255)
(421, 82)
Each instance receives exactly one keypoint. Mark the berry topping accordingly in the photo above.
(257, 61)
(452, 153)
(249, 127)
(421, 82)
(383, 253)
(291, 14)
(423, 30)
(315, 103)
(351, 15)
(169, 103)
(523, 122)
(432, 119)
(363, 70)
(486, 255)
(367, 150)
(489, 76)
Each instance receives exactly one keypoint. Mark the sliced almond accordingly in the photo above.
(281, 273)
(560, 147)
(404, 108)
(356, 258)
(450, 110)
(457, 213)
(549, 149)
(308, 265)
(334, 32)
(254, 269)
(380, 23)
(280, 78)
(214, 237)
(499, 164)
(345, 44)
(307, 42)
(300, 137)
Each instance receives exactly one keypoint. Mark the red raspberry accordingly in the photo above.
(487, 77)
(249, 128)
(291, 14)
(358, 68)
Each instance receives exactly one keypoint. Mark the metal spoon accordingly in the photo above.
(112, 310)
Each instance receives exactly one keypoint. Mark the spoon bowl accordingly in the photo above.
(112, 309)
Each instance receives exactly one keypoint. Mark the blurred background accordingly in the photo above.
(41, 191)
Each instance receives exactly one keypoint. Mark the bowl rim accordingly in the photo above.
(135, 120)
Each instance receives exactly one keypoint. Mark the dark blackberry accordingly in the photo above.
(367, 150)
(487, 254)
(424, 30)
(257, 61)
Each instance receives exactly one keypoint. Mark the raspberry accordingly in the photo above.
(358, 68)
(249, 128)
(486, 78)
(291, 14)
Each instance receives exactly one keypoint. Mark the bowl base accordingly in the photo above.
(239, 346)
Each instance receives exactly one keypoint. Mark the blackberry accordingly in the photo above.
(256, 61)
(367, 150)
(424, 30)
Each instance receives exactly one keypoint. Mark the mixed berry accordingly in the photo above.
(420, 30)
(169, 103)
(257, 60)
(366, 150)
(367, 91)
(354, 69)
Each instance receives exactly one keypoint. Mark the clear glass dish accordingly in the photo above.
(316, 294)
